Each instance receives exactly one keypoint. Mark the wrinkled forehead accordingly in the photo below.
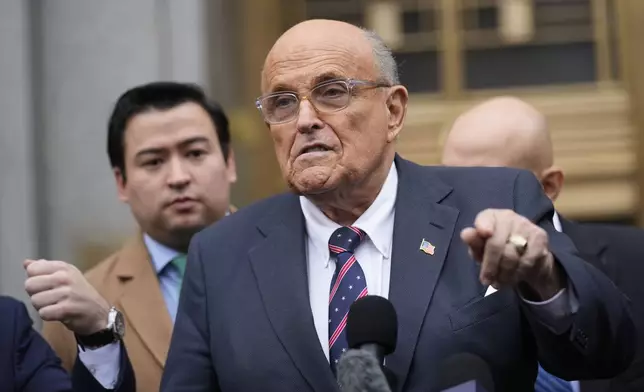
(302, 66)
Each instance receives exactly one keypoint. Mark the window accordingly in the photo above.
(561, 50)
(570, 41)
(416, 55)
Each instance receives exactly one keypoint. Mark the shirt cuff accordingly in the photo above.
(103, 363)
(556, 313)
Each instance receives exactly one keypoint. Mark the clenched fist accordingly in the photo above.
(60, 292)
(514, 252)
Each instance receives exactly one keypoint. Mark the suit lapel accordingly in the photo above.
(414, 273)
(279, 264)
(141, 300)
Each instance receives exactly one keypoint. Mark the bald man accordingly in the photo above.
(506, 131)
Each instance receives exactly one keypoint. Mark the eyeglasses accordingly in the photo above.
(327, 97)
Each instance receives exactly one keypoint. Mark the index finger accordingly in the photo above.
(44, 267)
(485, 222)
(493, 253)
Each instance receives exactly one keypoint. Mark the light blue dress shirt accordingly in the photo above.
(169, 277)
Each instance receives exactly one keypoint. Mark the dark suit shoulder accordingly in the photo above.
(475, 173)
(10, 305)
(246, 219)
(481, 179)
(616, 235)
(15, 312)
(15, 318)
(488, 187)
(474, 189)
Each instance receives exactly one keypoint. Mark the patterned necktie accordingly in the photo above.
(546, 382)
(348, 284)
(179, 262)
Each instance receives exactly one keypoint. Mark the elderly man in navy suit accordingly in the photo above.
(267, 290)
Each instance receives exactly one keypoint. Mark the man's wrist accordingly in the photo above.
(545, 286)
(112, 331)
(101, 320)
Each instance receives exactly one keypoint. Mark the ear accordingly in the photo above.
(231, 168)
(396, 111)
(552, 180)
(121, 186)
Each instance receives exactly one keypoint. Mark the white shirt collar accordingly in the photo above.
(556, 222)
(373, 221)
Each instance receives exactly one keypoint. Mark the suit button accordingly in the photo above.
(581, 338)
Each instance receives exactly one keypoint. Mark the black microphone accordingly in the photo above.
(465, 373)
(372, 325)
(359, 371)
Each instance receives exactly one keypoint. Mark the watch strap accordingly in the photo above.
(97, 339)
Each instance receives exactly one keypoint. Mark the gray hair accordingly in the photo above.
(383, 58)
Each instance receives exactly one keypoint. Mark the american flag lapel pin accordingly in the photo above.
(427, 247)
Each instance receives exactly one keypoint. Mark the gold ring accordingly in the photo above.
(520, 243)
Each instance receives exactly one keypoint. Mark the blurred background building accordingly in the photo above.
(63, 63)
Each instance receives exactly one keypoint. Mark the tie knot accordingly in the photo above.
(179, 262)
(345, 239)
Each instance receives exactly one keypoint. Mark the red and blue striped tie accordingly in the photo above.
(348, 284)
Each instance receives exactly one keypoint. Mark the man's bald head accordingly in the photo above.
(503, 131)
(330, 35)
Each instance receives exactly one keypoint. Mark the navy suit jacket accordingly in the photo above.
(28, 364)
(245, 322)
(618, 251)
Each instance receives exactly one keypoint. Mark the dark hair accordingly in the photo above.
(159, 96)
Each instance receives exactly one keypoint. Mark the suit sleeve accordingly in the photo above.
(37, 368)
(600, 339)
(189, 364)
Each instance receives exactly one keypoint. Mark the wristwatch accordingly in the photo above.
(113, 332)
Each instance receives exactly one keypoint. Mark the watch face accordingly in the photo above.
(119, 325)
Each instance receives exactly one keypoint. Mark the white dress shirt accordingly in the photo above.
(556, 222)
(374, 256)
(374, 252)
(103, 363)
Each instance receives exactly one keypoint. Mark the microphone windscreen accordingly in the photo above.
(372, 319)
(461, 368)
(359, 371)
